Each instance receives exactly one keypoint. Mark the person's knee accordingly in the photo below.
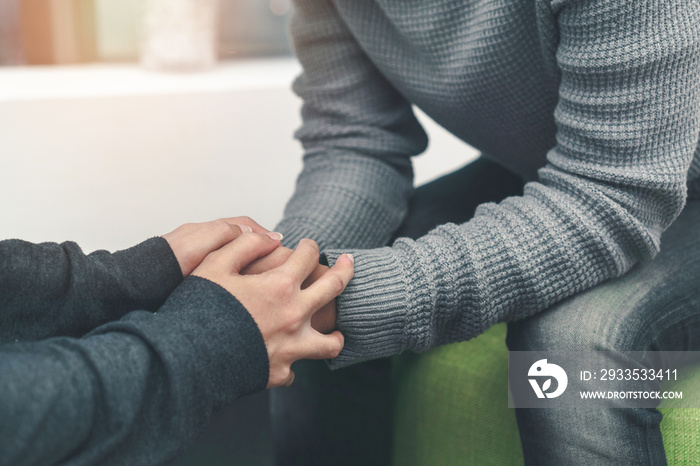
(602, 319)
(653, 306)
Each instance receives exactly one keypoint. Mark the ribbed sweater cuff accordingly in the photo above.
(372, 310)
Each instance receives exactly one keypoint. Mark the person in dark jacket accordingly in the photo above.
(116, 359)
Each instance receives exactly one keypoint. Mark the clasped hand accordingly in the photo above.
(288, 293)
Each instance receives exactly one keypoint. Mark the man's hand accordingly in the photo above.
(193, 241)
(277, 299)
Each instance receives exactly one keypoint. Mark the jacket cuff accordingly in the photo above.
(152, 269)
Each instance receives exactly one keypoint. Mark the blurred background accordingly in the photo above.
(41, 32)
(122, 119)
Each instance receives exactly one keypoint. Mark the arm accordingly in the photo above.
(627, 130)
(135, 391)
(54, 289)
(358, 135)
(139, 390)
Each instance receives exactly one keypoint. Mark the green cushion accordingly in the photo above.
(680, 427)
(452, 405)
(452, 408)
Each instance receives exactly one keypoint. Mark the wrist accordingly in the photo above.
(372, 311)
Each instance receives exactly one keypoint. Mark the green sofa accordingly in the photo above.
(452, 409)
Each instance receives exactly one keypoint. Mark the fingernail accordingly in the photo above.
(245, 228)
(352, 259)
(275, 235)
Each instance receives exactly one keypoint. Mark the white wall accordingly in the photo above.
(109, 155)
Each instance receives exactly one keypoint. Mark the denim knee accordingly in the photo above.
(635, 313)
(655, 306)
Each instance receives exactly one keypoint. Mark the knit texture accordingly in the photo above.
(597, 103)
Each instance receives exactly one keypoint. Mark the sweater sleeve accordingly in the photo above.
(134, 391)
(358, 134)
(54, 289)
(628, 126)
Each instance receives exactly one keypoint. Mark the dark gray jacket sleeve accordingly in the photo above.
(134, 391)
(54, 289)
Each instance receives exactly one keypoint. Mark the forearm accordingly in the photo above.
(511, 261)
(54, 289)
(358, 135)
(136, 391)
(346, 201)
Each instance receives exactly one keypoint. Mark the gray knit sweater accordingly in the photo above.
(595, 102)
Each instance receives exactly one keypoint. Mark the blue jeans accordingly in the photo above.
(654, 307)
(345, 416)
